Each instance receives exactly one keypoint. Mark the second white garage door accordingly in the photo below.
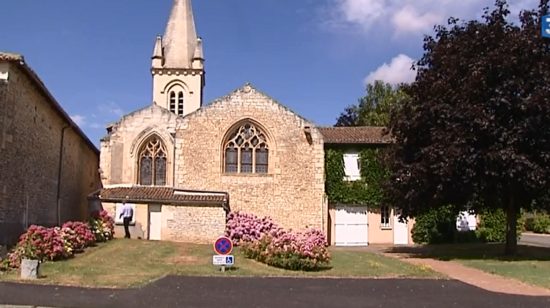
(351, 226)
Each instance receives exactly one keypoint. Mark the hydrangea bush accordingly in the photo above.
(242, 227)
(79, 234)
(58, 243)
(264, 241)
(102, 226)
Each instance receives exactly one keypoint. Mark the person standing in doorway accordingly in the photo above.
(126, 214)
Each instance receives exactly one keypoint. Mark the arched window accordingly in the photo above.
(152, 163)
(173, 102)
(247, 151)
(180, 103)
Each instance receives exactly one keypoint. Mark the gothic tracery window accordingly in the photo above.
(152, 163)
(247, 151)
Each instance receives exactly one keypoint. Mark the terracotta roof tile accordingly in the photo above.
(355, 135)
(162, 195)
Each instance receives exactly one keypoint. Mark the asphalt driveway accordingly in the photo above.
(270, 292)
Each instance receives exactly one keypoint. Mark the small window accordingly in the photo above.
(385, 212)
(352, 167)
(180, 103)
(173, 102)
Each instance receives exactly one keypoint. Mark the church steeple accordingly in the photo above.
(180, 38)
(178, 63)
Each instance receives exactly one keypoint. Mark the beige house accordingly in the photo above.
(184, 165)
(48, 165)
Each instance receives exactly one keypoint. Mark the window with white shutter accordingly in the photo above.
(351, 167)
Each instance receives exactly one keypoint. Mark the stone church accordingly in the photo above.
(183, 164)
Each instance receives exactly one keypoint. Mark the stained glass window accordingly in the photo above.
(247, 151)
(152, 173)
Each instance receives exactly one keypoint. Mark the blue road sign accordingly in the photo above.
(223, 260)
(223, 246)
(545, 26)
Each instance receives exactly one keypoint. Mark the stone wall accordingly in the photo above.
(192, 224)
(120, 150)
(31, 131)
(292, 191)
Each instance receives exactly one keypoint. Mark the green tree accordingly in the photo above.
(374, 108)
(476, 129)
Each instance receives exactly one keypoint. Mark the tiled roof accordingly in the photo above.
(161, 195)
(355, 135)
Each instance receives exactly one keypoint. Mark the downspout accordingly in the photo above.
(174, 140)
(59, 169)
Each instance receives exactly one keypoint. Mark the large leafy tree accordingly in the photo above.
(475, 132)
(374, 108)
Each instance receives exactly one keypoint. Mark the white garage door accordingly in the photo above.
(351, 226)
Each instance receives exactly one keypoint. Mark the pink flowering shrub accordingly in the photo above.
(79, 235)
(40, 243)
(243, 227)
(58, 243)
(263, 240)
(102, 226)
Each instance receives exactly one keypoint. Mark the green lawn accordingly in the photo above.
(530, 265)
(129, 263)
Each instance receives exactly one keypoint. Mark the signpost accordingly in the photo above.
(545, 26)
(223, 246)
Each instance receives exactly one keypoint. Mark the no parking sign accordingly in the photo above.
(223, 246)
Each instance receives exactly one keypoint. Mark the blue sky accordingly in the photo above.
(314, 56)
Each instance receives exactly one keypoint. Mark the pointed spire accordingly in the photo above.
(180, 39)
(157, 53)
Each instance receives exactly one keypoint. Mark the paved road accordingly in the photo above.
(271, 292)
(542, 240)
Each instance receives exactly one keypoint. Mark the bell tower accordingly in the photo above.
(178, 63)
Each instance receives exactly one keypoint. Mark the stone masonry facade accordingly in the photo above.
(119, 150)
(48, 167)
(291, 192)
(293, 189)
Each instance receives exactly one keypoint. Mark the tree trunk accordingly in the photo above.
(511, 228)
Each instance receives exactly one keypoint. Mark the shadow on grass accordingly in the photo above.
(446, 252)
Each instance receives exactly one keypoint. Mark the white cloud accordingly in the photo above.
(398, 71)
(409, 20)
(79, 119)
(111, 108)
(410, 16)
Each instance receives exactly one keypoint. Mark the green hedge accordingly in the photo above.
(539, 223)
(438, 226)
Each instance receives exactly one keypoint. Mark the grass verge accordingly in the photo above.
(530, 265)
(131, 263)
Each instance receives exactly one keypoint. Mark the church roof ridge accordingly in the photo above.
(249, 87)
